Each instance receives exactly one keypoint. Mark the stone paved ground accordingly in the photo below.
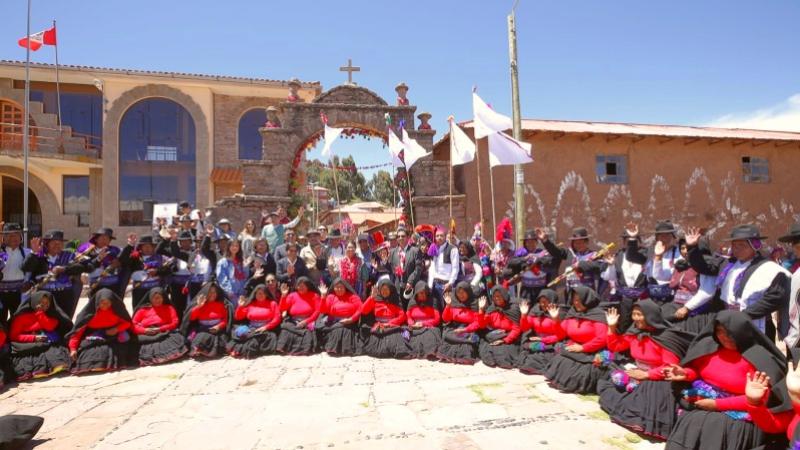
(316, 402)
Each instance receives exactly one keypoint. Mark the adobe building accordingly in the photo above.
(603, 175)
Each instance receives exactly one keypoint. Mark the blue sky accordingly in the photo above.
(725, 62)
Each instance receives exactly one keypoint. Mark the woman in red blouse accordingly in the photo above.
(155, 323)
(462, 321)
(636, 395)
(255, 327)
(499, 346)
(337, 326)
(100, 339)
(385, 319)
(300, 310)
(541, 330)
(723, 364)
(423, 323)
(207, 322)
(582, 360)
(37, 340)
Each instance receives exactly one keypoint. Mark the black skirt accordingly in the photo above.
(569, 375)
(40, 361)
(692, 323)
(533, 362)
(203, 344)
(6, 371)
(255, 345)
(389, 343)
(650, 409)
(336, 339)
(296, 341)
(161, 348)
(504, 355)
(710, 430)
(459, 348)
(101, 355)
(425, 342)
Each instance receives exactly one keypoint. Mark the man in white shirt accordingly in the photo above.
(444, 268)
(12, 255)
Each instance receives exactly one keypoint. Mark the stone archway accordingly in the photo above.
(111, 144)
(267, 182)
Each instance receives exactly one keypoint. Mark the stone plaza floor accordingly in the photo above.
(315, 402)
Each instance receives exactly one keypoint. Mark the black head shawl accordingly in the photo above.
(682, 265)
(309, 284)
(259, 287)
(470, 256)
(754, 346)
(590, 301)
(471, 303)
(91, 308)
(393, 297)
(221, 297)
(344, 283)
(419, 288)
(29, 306)
(147, 301)
(552, 297)
(674, 340)
(510, 310)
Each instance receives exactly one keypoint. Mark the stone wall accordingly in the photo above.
(227, 112)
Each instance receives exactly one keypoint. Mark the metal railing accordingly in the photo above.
(11, 135)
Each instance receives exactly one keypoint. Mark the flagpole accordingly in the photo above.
(26, 129)
(450, 185)
(491, 187)
(58, 81)
(478, 173)
(336, 186)
(410, 201)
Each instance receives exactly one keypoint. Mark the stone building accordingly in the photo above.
(129, 139)
(602, 175)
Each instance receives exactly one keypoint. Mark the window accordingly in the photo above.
(76, 198)
(249, 137)
(81, 111)
(755, 170)
(156, 158)
(611, 169)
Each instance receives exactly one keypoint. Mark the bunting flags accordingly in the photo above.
(35, 41)
(462, 149)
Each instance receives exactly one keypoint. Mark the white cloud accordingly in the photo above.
(784, 116)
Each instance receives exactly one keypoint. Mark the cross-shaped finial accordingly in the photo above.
(349, 68)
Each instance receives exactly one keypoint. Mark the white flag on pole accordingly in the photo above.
(487, 121)
(462, 149)
(396, 147)
(413, 151)
(331, 134)
(505, 150)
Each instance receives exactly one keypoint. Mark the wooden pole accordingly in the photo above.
(336, 187)
(58, 82)
(450, 184)
(491, 188)
(478, 172)
(410, 202)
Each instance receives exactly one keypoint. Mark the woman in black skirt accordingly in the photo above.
(100, 340)
(155, 323)
(541, 328)
(462, 321)
(423, 323)
(300, 310)
(38, 346)
(337, 325)
(636, 395)
(583, 359)
(499, 346)
(256, 322)
(207, 322)
(729, 361)
(383, 323)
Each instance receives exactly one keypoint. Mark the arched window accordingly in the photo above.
(156, 158)
(12, 127)
(249, 137)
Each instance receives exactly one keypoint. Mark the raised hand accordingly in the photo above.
(36, 244)
(448, 298)
(284, 289)
(323, 290)
(612, 317)
(132, 239)
(693, 236)
(659, 249)
(540, 234)
(632, 230)
(524, 307)
(553, 310)
(793, 380)
(482, 302)
(756, 387)
(242, 300)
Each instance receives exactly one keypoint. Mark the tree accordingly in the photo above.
(382, 188)
(351, 183)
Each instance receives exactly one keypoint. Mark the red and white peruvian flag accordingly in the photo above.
(35, 41)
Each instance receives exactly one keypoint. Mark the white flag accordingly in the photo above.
(396, 147)
(331, 134)
(462, 149)
(505, 150)
(413, 151)
(487, 120)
